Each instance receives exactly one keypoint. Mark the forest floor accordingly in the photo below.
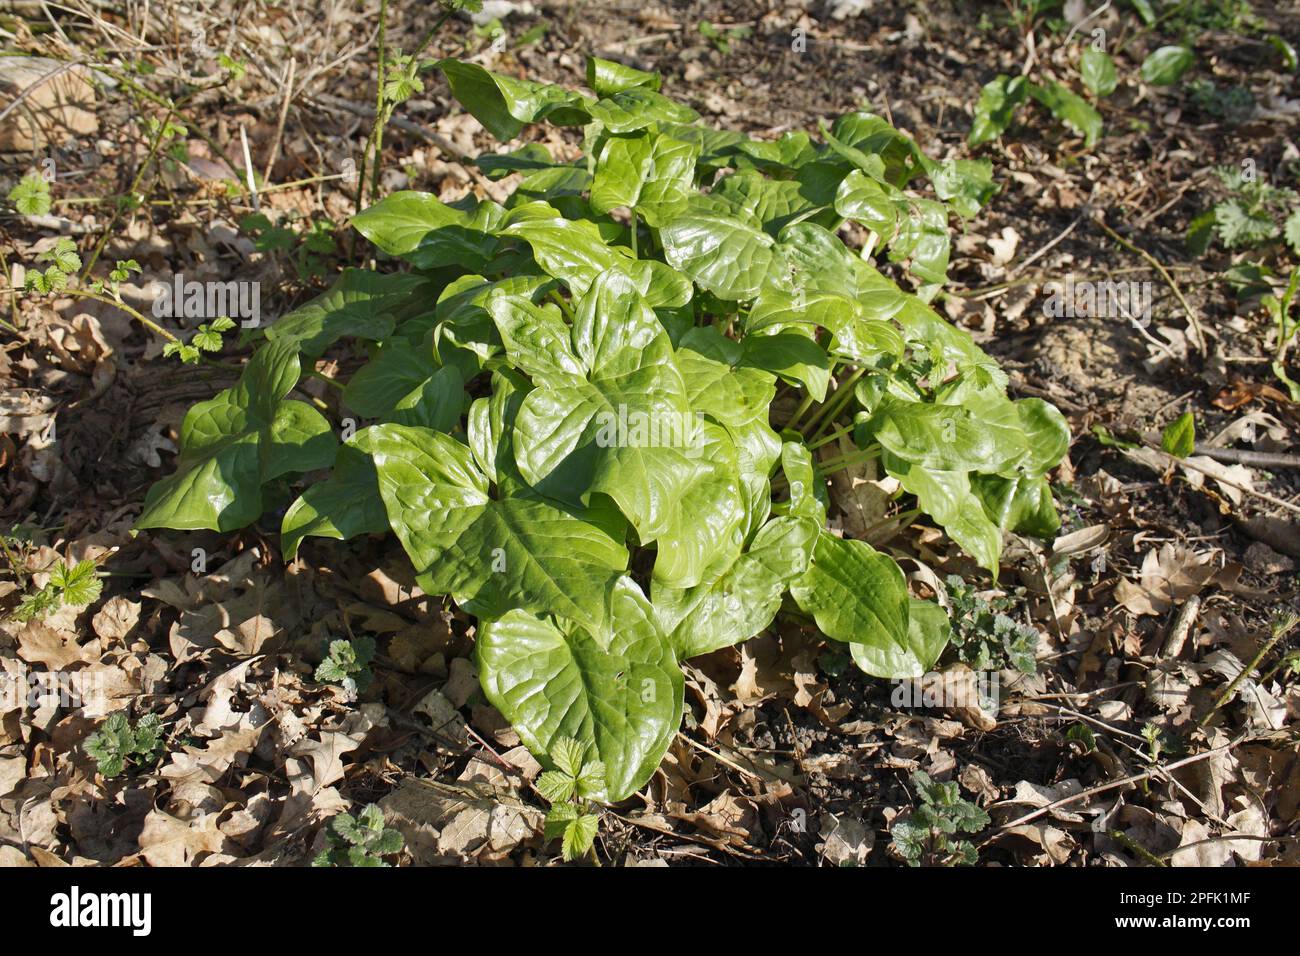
(1123, 742)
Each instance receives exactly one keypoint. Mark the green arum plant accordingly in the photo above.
(569, 405)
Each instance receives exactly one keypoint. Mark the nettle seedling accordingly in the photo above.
(984, 635)
(118, 745)
(926, 837)
(347, 663)
(359, 841)
(570, 415)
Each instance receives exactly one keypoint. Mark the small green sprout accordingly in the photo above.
(924, 838)
(570, 788)
(346, 663)
(117, 744)
(359, 841)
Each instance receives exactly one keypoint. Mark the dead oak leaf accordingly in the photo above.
(170, 841)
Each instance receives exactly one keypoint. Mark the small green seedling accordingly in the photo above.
(925, 837)
(63, 263)
(73, 585)
(208, 338)
(347, 664)
(722, 39)
(570, 788)
(985, 637)
(359, 841)
(117, 745)
(31, 196)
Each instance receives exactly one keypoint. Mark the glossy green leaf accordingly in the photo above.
(428, 233)
(607, 77)
(504, 105)
(1070, 108)
(856, 594)
(738, 599)
(1179, 436)
(490, 554)
(947, 497)
(620, 695)
(235, 443)
(1097, 70)
(359, 304)
(1166, 66)
(997, 107)
(343, 506)
(928, 633)
(721, 254)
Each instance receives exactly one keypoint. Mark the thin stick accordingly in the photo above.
(279, 125)
(1262, 495)
(1164, 274)
(1280, 630)
(248, 167)
(1124, 782)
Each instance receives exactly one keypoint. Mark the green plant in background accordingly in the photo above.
(984, 636)
(347, 663)
(1286, 326)
(1003, 95)
(571, 414)
(570, 788)
(117, 745)
(63, 264)
(1258, 216)
(926, 837)
(74, 585)
(359, 841)
(31, 196)
(308, 250)
(1235, 104)
(1253, 213)
(720, 38)
(1166, 65)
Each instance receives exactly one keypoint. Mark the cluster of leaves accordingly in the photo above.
(63, 264)
(925, 838)
(308, 250)
(117, 744)
(1260, 217)
(73, 585)
(569, 404)
(347, 663)
(570, 788)
(208, 337)
(359, 841)
(722, 38)
(31, 195)
(1002, 96)
(1252, 213)
(984, 636)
